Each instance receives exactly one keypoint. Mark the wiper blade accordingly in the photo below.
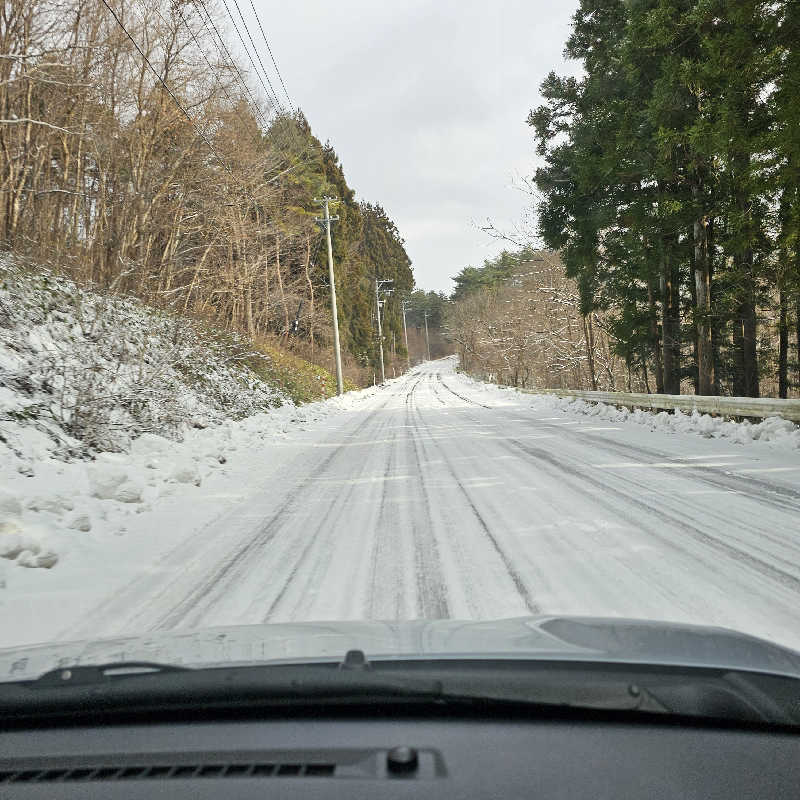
(150, 686)
(355, 680)
(99, 673)
(526, 687)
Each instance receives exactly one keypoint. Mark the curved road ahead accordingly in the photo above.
(438, 497)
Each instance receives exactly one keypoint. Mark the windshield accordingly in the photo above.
(327, 329)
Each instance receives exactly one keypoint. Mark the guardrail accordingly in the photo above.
(759, 407)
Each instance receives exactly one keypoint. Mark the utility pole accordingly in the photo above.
(405, 336)
(326, 220)
(427, 340)
(380, 332)
(378, 289)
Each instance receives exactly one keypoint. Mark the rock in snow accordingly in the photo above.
(186, 473)
(55, 504)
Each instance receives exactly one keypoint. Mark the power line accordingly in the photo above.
(287, 140)
(258, 55)
(273, 100)
(178, 103)
(222, 48)
(274, 63)
(167, 89)
(256, 109)
(219, 43)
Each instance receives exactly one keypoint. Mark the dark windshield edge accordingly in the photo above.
(537, 687)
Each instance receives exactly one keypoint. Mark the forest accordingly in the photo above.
(139, 155)
(517, 320)
(670, 188)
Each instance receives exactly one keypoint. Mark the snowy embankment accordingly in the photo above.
(772, 432)
(108, 407)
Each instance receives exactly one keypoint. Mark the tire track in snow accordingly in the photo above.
(431, 588)
(387, 598)
(678, 518)
(724, 520)
(566, 474)
(314, 557)
(207, 590)
(524, 591)
(461, 396)
(780, 497)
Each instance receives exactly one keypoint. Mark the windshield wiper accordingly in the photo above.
(355, 680)
(96, 673)
(478, 685)
(141, 687)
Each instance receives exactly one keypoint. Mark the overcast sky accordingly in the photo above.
(425, 103)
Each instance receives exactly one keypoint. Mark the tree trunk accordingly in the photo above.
(670, 321)
(644, 374)
(702, 280)
(310, 292)
(747, 355)
(750, 336)
(797, 335)
(285, 332)
(655, 341)
(739, 389)
(745, 329)
(588, 338)
(783, 344)
(691, 310)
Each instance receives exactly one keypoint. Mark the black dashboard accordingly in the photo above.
(402, 757)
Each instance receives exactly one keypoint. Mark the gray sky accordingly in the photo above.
(425, 103)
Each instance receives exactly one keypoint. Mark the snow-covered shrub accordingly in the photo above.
(94, 371)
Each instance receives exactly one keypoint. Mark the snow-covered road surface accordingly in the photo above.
(436, 496)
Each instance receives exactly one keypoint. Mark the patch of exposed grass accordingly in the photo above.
(301, 380)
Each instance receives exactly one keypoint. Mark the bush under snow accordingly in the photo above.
(93, 371)
(105, 405)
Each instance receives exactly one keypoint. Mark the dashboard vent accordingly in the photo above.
(167, 772)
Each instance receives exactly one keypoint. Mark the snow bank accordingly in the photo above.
(105, 405)
(774, 431)
(92, 372)
(65, 512)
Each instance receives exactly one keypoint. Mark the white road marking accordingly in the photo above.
(660, 465)
(769, 469)
(601, 429)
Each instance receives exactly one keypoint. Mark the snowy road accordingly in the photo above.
(438, 497)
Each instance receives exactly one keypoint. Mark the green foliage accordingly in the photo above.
(676, 157)
(365, 241)
(301, 380)
(494, 272)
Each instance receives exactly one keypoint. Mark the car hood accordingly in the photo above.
(546, 637)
